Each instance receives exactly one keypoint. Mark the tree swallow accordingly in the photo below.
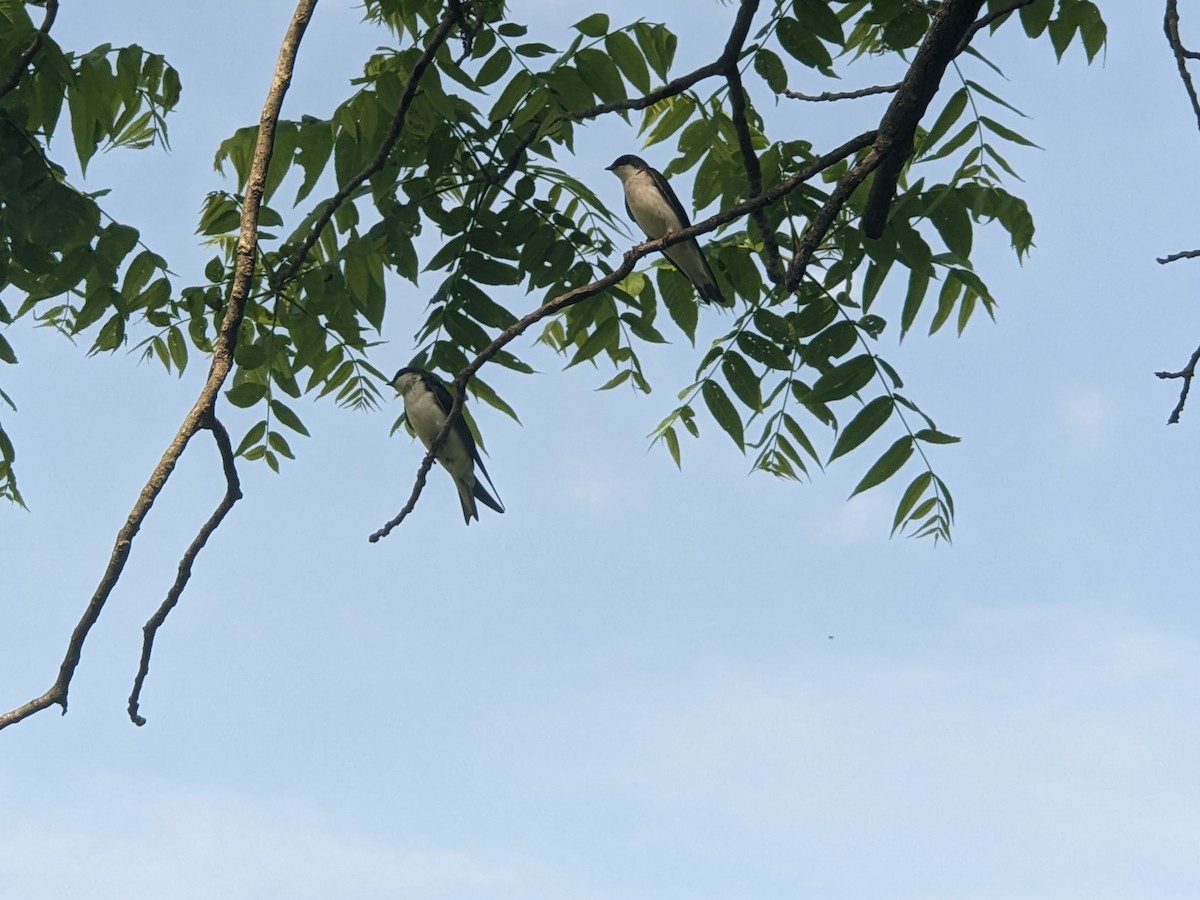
(426, 404)
(651, 203)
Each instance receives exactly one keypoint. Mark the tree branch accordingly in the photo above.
(950, 26)
(819, 225)
(1187, 373)
(987, 20)
(222, 363)
(449, 19)
(845, 95)
(1183, 254)
(18, 71)
(233, 493)
(585, 292)
(1182, 54)
(741, 127)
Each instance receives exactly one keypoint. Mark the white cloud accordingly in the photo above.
(187, 846)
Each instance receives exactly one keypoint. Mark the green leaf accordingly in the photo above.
(178, 348)
(681, 305)
(605, 337)
(911, 494)
(741, 378)
(1036, 16)
(819, 16)
(918, 286)
(764, 351)
(246, 394)
(843, 380)
(950, 113)
(887, 465)
(770, 67)
(804, 46)
(494, 68)
(629, 59)
(253, 436)
(618, 379)
(723, 411)
(932, 436)
(672, 441)
(6, 351)
(1007, 133)
(865, 423)
(595, 25)
(285, 415)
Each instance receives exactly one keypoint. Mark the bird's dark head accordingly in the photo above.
(407, 378)
(628, 161)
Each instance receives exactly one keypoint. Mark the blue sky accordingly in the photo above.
(637, 683)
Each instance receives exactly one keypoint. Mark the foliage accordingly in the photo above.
(460, 187)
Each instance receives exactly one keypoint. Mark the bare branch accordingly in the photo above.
(1183, 254)
(1187, 373)
(898, 127)
(1182, 54)
(26, 57)
(845, 95)
(233, 493)
(585, 292)
(222, 362)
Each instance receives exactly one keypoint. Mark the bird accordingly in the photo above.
(426, 405)
(650, 201)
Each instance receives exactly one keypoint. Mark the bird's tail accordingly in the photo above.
(487, 499)
(467, 500)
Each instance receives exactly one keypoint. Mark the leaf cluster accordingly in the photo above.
(446, 181)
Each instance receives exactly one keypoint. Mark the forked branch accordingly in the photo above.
(201, 412)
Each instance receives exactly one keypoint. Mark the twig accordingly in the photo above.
(26, 57)
(1183, 254)
(1187, 373)
(584, 292)
(845, 95)
(1182, 54)
(985, 21)
(222, 363)
(233, 493)
(741, 127)
(439, 37)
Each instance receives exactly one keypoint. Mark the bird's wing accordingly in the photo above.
(667, 191)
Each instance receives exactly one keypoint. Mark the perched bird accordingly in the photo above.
(426, 405)
(651, 203)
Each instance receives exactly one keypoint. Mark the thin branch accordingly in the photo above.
(1187, 373)
(233, 493)
(898, 127)
(585, 292)
(845, 95)
(819, 225)
(741, 127)
(449, 19)
(985, 21)
(1182, 54)
(674, 87)
(26, 57)
(222, 363)
(1183, 254)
